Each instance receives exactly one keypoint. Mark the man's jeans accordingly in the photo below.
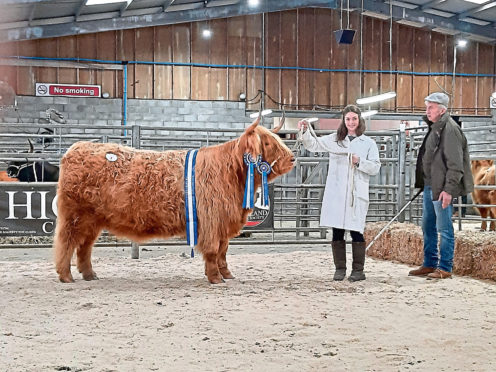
(436, 220)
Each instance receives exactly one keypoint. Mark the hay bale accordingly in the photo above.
(475, 252)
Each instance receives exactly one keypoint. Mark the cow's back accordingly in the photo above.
(124, 188)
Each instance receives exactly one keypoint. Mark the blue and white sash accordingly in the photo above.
(190, 200)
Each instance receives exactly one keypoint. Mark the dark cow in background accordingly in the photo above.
(140, 194)
(33, 171)
(484, 175)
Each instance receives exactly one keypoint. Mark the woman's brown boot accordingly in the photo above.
(339, 255)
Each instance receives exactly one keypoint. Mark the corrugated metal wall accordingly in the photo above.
(293, 40)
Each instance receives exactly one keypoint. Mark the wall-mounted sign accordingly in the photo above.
(68, 90)
(492, 102)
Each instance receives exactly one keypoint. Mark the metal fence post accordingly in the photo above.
(401, 171)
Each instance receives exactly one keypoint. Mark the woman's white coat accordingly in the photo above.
(346, 195)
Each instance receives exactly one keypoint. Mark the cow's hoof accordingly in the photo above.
(216, 280)
(226, 274)
(66, 279)
(90, 276)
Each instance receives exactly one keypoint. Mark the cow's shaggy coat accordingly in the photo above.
(483, 172)
(141, 196)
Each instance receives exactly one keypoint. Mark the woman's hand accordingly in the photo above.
(355, 159)
(303, 124)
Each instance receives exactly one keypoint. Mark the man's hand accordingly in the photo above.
(303, 124)
(445, 198)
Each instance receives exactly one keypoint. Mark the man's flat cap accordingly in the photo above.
(438, 97)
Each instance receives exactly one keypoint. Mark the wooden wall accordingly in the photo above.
(299, 38)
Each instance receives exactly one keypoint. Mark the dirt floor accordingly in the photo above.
(281, 313)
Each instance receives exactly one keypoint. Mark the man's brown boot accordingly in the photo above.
(421, 271)
(439, 274)
(339, 256)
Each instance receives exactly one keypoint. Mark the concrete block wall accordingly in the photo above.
(150, 113)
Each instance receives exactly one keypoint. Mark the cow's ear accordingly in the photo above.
(250, 140)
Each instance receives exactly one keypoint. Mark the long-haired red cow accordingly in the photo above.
(140, 194)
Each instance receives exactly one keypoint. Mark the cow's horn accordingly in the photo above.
(281, 123)
(31, 147)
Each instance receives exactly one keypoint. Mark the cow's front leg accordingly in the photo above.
(211, 268)
(221, 260)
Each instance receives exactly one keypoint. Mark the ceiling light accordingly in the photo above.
(475, 21)
(369, 113)
(264, 112)
(311, 120)
(445, 31)
(439, 13)
(380, 97)
(402, 4)
(477, 1)
(101, 2)
(462, 43)
(207, 33)
(253, 3)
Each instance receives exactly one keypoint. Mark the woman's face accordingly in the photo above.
(352, 121)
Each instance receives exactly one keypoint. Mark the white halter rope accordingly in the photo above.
(299, 141)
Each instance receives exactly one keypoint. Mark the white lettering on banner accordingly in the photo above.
(54, 206)
(43, 205)
(12, 216)
(47, 227)
(58, 90)
(28, 205)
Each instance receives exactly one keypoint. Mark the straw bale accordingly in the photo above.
(475, 252)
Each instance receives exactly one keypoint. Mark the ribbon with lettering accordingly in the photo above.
(264, 169)
(248, 202)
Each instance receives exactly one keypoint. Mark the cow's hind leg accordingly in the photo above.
(84, 254)
(221, 260)
(64, 246)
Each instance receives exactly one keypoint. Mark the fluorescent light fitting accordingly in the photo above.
(410, 23)
(445, 31)
(439, 13)
(369, 113)
(462, 43)
(264, 112)
(253, 3)
(207, 33)
(379, 97)
(101, 2)
(375, 15)
(311, 120)
(402, 4)
(475, 21)
(477, 1)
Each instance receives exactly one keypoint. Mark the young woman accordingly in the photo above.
(353, 158)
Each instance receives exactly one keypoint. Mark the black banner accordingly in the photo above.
(262, 217)
(27, 209)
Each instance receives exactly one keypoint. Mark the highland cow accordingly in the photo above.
(141, 195)
(483, 173)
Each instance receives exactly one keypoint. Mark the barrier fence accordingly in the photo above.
(296, 198)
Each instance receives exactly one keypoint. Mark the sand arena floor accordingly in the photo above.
(281, 313)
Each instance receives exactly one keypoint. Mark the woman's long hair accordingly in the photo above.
(343, 131)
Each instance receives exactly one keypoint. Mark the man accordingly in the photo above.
(443, 171)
